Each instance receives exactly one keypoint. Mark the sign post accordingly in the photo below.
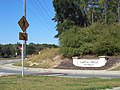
(22, 58)
(23, 35)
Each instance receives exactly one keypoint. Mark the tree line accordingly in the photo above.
(84, 12)
(14, 50)
(93, 16)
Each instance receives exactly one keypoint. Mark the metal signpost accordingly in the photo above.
(23, 35)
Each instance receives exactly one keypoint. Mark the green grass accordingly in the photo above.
(55, 83)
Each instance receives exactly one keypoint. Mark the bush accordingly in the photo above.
(98, 39)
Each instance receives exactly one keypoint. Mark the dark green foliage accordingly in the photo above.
(68, 13)
(67, 24)
(98, 39)
(67, 10)
(36, 48)
(7, 51)
(79, 31)
(30, 49)
(10, 50)
(84, 13)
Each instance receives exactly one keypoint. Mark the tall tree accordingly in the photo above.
(112, 13)
(119, 11)
(67, 11)
(84, 6)
(84, 12)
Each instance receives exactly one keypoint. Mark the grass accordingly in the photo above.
(55, 83)
(46, 59)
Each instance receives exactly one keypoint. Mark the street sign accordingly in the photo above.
(23, 24)
(23, 36)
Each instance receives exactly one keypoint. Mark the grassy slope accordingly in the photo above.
(48, 58)
(55, 83)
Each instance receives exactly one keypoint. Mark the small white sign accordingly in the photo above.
(89, 62)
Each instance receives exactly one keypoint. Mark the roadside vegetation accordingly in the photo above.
(14, 50)
(88, 27)
(47, 58)
(56, 83)
(98, 39)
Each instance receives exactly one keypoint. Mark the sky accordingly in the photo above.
(39, 14)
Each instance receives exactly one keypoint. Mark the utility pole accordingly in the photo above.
(25, 31)
(24, 43)
(25, 8)
(23, 36)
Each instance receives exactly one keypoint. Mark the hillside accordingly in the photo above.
(51, 58)
(47, 58)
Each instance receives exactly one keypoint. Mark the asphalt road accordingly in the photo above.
(54, 72)
(9, 71)
(92, 75)
(2, 62)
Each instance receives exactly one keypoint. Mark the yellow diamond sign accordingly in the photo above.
(23, 24)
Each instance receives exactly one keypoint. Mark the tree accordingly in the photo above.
(7, 50)
(74, 37)
(31, 49)
(83, 4)
(112, 11)
(118, 9)
(67, 12)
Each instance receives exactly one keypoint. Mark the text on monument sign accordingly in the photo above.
(89, 62)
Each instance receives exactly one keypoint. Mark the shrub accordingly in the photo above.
(98, 39)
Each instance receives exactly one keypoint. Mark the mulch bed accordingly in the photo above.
(68, 64)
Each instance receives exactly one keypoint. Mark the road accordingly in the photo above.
(6, 68)
(2, 62)
(92, 75)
